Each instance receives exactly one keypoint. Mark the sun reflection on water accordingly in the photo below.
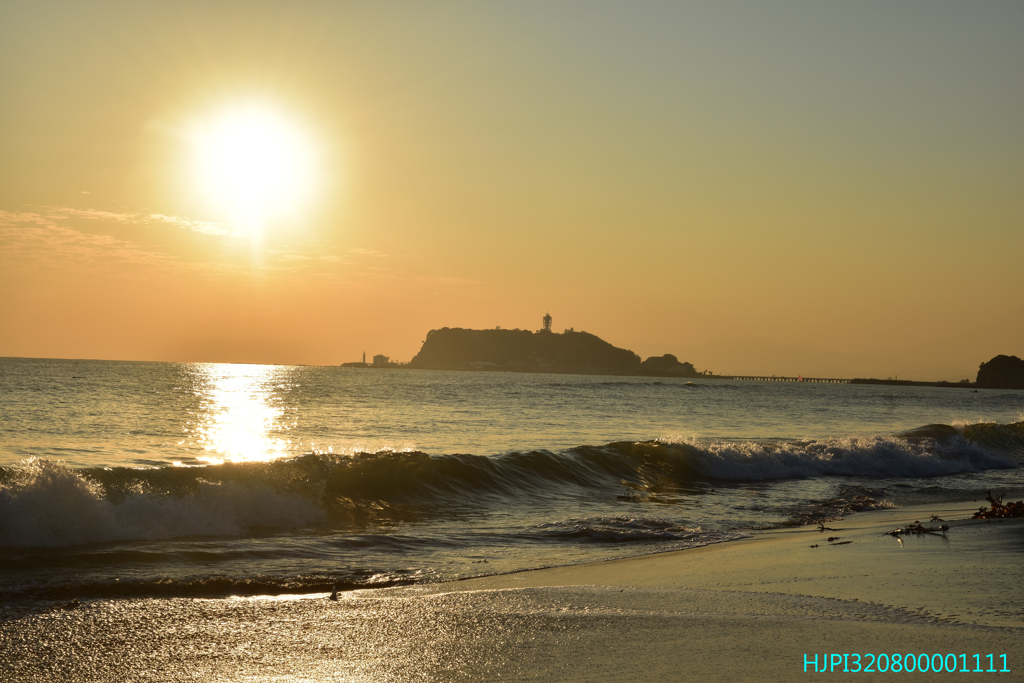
(240, 418)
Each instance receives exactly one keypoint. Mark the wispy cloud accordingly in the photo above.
(54, 239)
(204, 227)
(32, 240)
(58, 212)
(367, 252)
(33, 243)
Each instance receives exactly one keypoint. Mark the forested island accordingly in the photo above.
(456, 348)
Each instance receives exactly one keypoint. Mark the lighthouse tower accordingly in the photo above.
(547, 323)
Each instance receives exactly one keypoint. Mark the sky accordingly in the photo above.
(772, 187)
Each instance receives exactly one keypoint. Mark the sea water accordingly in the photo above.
(166, 479)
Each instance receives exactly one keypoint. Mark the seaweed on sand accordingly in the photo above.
(998, 510)
(918, 529)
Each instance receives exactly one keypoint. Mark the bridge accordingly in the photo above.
(774, 378)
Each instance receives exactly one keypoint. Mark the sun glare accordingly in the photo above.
(239, 419)
(253, 166)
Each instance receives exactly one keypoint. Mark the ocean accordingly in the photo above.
(134, 479)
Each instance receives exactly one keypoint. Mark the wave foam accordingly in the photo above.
(46, 504)
(873, 457)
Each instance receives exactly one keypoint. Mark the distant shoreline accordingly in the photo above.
(738, 378)
(582, 353)
(913, 383)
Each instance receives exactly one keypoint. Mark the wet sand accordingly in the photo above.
(747, 610)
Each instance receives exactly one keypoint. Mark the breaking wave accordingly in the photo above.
(872, 457)
(44, 503)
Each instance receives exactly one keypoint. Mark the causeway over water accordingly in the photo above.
(774, 378)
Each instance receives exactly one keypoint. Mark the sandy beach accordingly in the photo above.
(754, 609)
(510, 341)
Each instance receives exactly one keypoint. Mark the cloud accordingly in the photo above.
(204, 227)
(57, 212)
(34, 241)
(53, 240)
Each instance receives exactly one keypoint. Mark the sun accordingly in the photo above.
(252, 166)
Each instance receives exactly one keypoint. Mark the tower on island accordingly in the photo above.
(547, 323)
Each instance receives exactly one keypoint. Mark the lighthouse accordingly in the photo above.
(547, 323)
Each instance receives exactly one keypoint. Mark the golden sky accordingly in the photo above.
(773, 187)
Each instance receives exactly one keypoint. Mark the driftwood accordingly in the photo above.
(998, 510)
(918, 529)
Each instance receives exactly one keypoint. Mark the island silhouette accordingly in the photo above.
(572, 352)
(1002, 372)
(456, 348)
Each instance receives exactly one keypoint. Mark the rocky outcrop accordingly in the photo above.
(1002, 372)
(667, 366)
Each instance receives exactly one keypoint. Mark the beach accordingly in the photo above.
(177, 522)
(510, 341)
(752, 609)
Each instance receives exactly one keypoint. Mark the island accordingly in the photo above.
(1002, 372)
(456, 348)
(572, 352)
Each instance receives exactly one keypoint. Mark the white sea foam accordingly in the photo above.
(877, 456)
(48, 504)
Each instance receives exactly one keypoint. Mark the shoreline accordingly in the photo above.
(788, 564)
(749, 609)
